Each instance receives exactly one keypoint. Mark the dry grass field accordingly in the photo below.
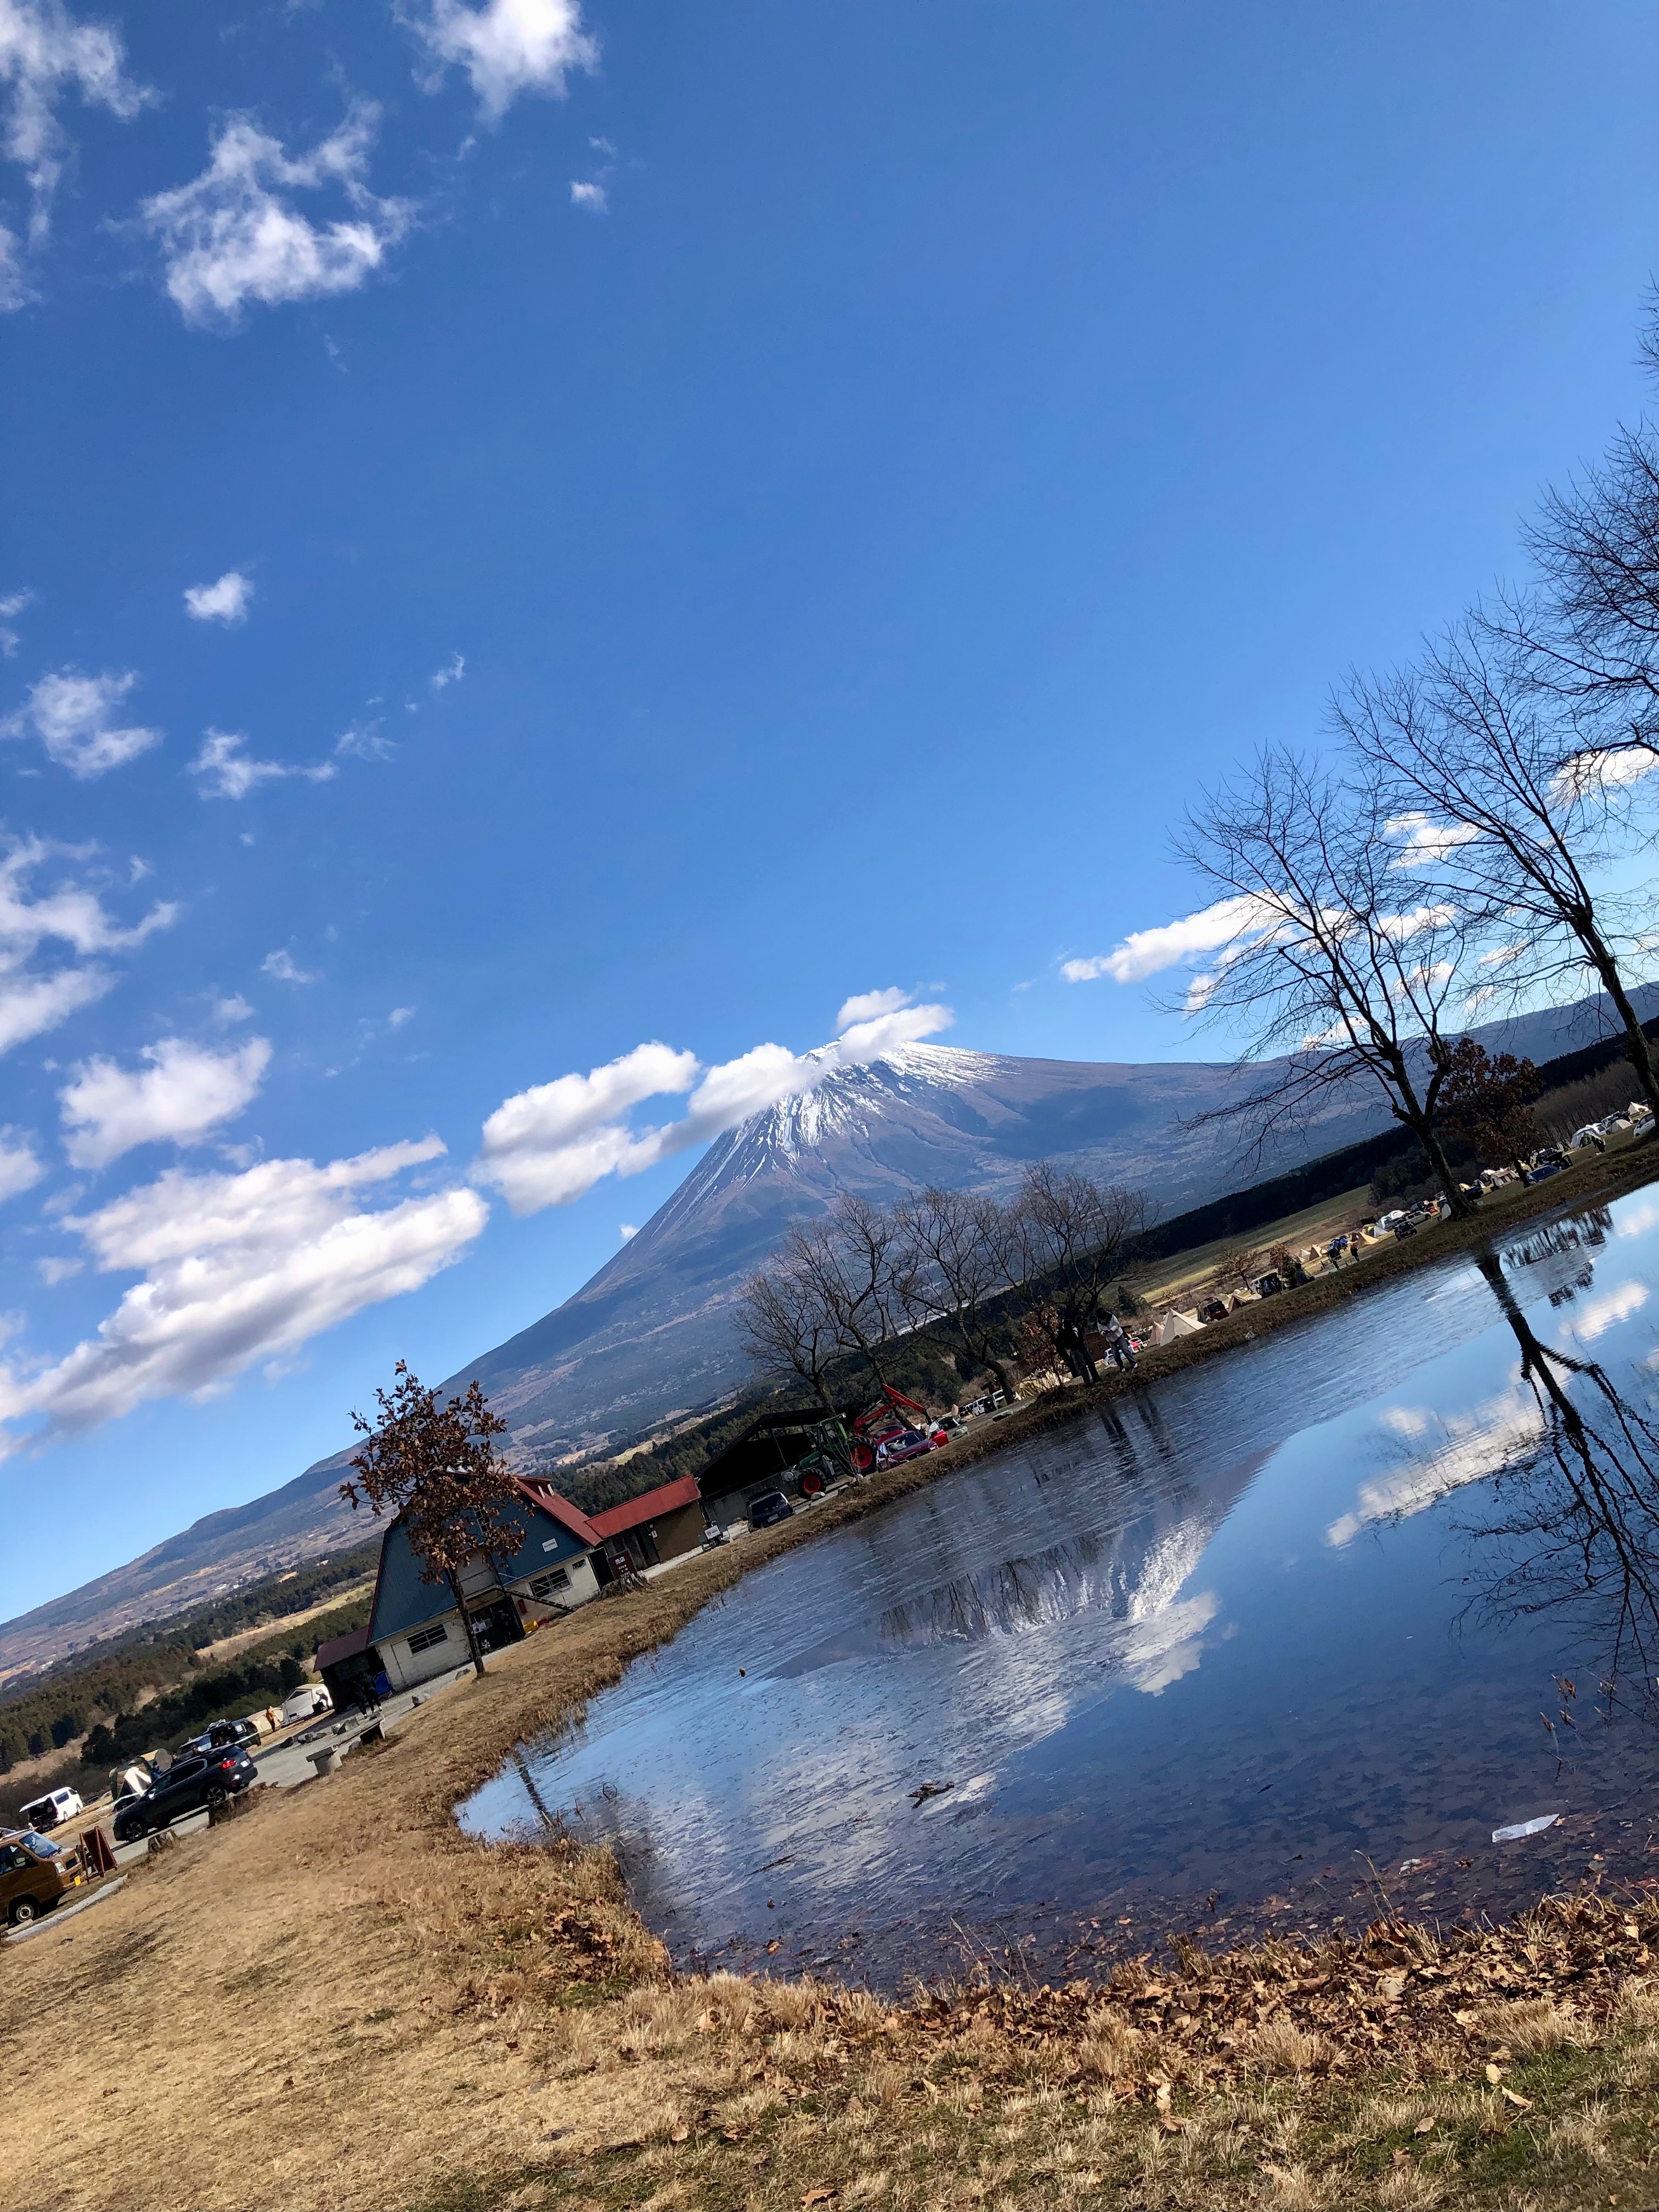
(337, 2001)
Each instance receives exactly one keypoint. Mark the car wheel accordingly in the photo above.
(23, 1911)
(214, 1798)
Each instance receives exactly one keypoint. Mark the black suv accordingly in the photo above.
(774, 1506)
(202, 1779)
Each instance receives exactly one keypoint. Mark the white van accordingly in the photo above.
(56, 1806)
(306, 1703)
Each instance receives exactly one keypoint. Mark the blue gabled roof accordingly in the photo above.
(554, 1532)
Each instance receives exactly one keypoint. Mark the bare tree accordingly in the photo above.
(860, 1263)
(842, 1284)
(785, 1323)
(433, 1465)
(1330, 967)
(1591, 633)
(1073, 1232)
(964, 1253)
(1487, 781)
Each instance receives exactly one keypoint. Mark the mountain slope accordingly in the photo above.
(652, 1334)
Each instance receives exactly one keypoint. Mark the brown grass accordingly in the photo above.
(340, 2002)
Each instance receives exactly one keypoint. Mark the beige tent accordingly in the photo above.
(1174, 1325)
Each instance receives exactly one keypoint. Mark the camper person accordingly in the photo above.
(1118, 1347)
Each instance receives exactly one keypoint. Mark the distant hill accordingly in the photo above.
(651, 1335)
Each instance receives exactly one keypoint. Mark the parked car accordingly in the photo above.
(189, 1784)
(305, 1702)
(34, 1873)
(224, 1735)
(52, 1810)
(771, 1507)
(907, 1443)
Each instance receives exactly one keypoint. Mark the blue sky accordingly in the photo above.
(697, 517)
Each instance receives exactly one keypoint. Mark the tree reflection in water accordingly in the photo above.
(1576, 1524)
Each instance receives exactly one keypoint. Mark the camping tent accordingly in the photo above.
(1174, 1325)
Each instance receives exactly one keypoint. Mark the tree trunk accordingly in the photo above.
(1421, 1125)
(989, 1360)
(1640, 1057)
(471, 1634)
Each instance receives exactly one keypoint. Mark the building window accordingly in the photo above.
(424, 1638)
(544, 1585)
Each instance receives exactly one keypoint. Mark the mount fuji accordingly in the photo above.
(653, 1334)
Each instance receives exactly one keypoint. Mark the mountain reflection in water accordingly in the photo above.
(1227, 1654)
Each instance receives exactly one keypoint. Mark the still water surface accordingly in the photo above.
(1232, 1653)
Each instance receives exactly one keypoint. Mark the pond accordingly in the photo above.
(1278, 1642)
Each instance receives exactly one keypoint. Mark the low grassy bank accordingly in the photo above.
(337, 2001)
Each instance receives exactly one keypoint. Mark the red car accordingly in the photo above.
(908, 1444)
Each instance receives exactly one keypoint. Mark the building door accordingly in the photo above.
(497, 1624)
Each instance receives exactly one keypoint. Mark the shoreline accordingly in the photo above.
(387, 2012)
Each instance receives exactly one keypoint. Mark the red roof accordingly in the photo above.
(542, 1494)
(672, 1495)
(343, 1647)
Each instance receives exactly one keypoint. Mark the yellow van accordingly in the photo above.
(34, 1873)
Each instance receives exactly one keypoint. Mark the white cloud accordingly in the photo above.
(55, 1271)
(227, 772)
(235, 1269)
(1400, 927)
(628, 1229)
(235, 1008)
(1588, 773)
(232, 235)
(1146, 952)
(869, 1006)
(1445, 1452)
(1605, 1311)
(549, 1145)
(227, 601)
(74, 717)
(14, 292)
(14, 602)
(183, 1092)
(451, 672)
(281, 968)
(506, 47)
(592, 196)
(70, 914)
(399, 1016)
(45, 54)
(31, 1005)
(1424, 840)
(21, 1167)
(363, 741)
(32, 1002)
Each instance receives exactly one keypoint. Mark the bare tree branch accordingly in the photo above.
(1338, 966)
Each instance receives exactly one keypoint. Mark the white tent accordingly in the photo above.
(1174, 1325)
